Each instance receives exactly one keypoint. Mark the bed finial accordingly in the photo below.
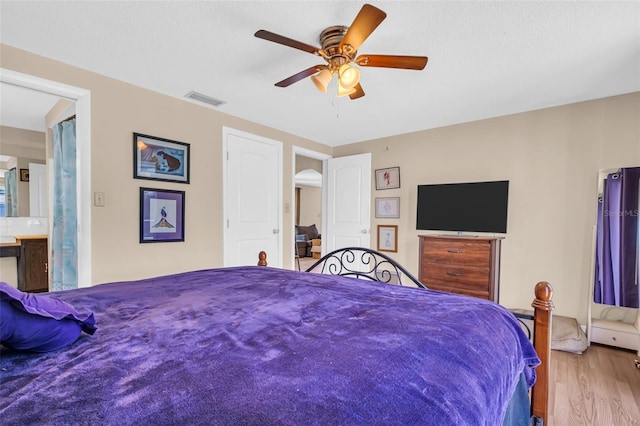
(262, 258)
(543, 292)
(543, 305)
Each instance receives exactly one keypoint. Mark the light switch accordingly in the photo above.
(98, 199)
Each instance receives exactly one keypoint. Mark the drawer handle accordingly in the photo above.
(454, 251)
(454, 274)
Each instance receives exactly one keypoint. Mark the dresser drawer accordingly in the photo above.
(475, 254)
(456, 290)
(457, 276)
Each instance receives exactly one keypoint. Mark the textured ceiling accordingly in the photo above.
(486, 59)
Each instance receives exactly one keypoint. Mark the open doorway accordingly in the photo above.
(82, 100)
(308, 210)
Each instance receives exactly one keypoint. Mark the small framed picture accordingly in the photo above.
(24, 175)
(161, 215)
(160, 159)
(388, 207)
(388, 178)
(388, 238)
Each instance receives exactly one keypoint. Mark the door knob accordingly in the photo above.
(275, 231)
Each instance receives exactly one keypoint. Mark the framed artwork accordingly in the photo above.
(388, 178)
(388, 238)
(24, 175)
(388, 207)
(161, 215)
(160, 159)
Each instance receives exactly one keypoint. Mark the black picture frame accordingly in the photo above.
(160, 159)
(161, 215)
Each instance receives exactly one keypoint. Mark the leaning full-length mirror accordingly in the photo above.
(614, 317)
(617, 256)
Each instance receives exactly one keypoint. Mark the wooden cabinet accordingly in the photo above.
(463, 265)
(33, 268)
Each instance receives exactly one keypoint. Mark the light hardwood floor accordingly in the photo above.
(601, 387)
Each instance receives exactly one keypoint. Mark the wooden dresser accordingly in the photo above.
(463, 265)
(33, 264)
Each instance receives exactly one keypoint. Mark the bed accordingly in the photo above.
(258, 345)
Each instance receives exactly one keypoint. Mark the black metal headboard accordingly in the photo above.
(364, 263)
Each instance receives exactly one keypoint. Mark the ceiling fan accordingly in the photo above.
(339, 48)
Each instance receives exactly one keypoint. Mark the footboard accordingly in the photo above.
(364, 263)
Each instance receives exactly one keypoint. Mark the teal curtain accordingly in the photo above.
(64, 233)
(11, 193)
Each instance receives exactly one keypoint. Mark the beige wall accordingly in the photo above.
(551, 158)
(117, 111)
(310, 196)
(22, 143)
(311, 206)
(304, 163)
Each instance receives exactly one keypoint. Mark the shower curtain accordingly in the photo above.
(11, 193)
(64, 242)
(617, 252)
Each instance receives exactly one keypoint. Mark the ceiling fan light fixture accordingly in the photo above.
(339, 50)
(343, 91)
(322, 80)
(349, 76)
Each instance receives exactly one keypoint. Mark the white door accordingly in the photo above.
(348, 214)
(252, 199)
(38, 190)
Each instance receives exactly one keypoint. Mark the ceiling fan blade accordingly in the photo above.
(391, 61)
(358, 93)
(286, 41)
(367, 20)
(299, 76)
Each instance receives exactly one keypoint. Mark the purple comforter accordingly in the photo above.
(264, 346)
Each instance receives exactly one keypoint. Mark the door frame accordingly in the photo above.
(82, 99)
(304, 152)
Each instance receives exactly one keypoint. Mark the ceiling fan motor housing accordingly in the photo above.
(336, 55)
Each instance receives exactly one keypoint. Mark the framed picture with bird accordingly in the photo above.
(161, 215)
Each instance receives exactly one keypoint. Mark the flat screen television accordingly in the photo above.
(463, 207)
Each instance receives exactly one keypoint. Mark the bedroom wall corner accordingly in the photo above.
(551, 158)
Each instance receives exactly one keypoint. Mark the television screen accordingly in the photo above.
(470, 207)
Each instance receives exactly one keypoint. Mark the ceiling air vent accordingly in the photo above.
(204, 98)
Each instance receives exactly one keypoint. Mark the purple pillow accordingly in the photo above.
(39, 323)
